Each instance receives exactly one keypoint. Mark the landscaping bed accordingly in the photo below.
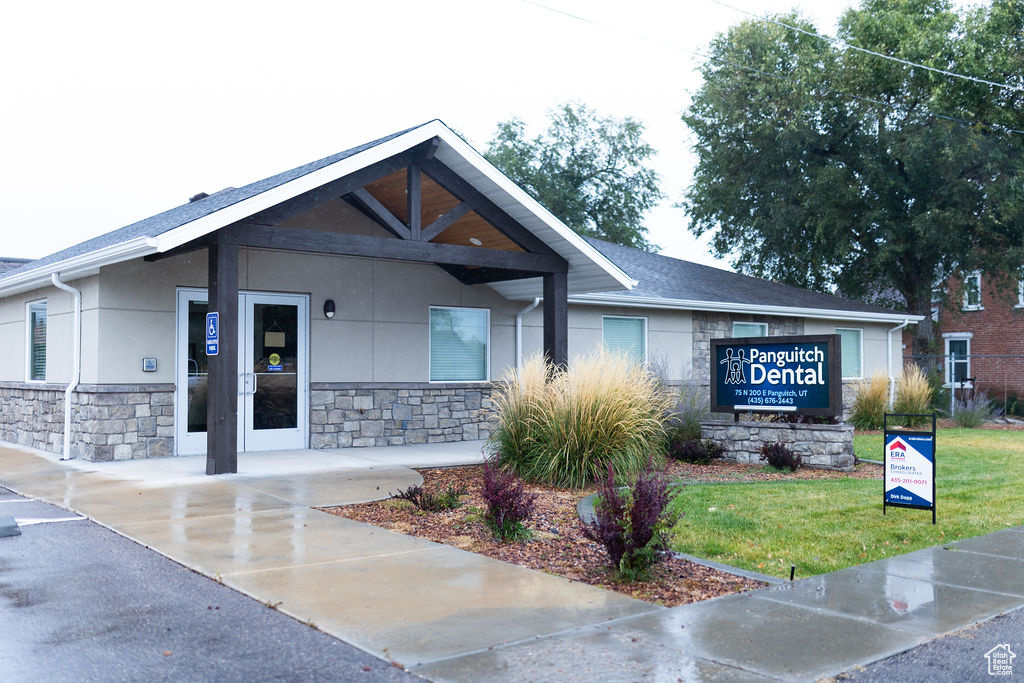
(558, 545)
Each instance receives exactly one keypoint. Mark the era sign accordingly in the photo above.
(777, 374)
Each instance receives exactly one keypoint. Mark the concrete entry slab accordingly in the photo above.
(425, 605)
(906, 603)
(768, 637)
(1004, 543)
(957, 568)
(338, 487)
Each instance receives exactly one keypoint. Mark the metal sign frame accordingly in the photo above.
(886, 433)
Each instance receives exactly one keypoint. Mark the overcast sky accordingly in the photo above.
(115, 111)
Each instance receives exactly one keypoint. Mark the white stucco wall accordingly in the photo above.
(874, 337)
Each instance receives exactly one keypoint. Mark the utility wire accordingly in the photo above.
(845, 45)
(776, 76)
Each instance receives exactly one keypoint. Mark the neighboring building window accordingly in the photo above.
(958, 358)
(36, 341)
(972, 291)
(459, 344)
(937, 295)
(749, 330)
(626, 335)
(1020, 288)
(851, 351)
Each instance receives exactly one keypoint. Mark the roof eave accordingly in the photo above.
(77, 266)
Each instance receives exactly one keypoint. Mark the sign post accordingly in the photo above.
(909, 459)
(212, 333)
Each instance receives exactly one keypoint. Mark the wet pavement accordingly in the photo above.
(452, 615)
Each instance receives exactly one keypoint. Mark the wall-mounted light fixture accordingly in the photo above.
(329, 308)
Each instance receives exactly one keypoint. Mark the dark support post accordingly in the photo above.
(222, 394)
(413, 203)
(556, 319)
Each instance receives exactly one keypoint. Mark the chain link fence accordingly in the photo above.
(969, 378)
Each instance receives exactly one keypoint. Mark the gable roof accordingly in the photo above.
(665, 282)
(588, 268)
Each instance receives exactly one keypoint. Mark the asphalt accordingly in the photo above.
(81, 603)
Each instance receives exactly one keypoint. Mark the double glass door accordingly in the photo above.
(272, 371)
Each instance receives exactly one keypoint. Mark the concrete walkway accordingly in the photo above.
(451, 615)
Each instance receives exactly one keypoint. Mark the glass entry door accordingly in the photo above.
(272, 372)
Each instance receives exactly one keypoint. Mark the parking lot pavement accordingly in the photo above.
(81, 603)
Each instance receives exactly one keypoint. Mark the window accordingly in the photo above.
(972, 291)
(851, 352)
(459, 344)
(958, 358)
(625, 335)
(937, 295)
(36, 345)
(749, 330)
(1020, 288)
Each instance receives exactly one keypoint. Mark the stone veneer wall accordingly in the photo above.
(346, 414)
(708, 325)
(108, 422)
(827, 447)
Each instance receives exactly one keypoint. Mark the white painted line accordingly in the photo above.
(46, 520)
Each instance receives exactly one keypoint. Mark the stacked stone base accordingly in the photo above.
(353, 414)
(820, 446)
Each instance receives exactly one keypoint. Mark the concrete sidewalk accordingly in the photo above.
(452, 615)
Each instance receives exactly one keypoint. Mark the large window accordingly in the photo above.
(625, 335)
(851, 351)
(36, 343)
(958, 358)
(459, 344)
(972, 291)
(749, 330)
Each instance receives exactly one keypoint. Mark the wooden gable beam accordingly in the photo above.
(413, 201)
(444, 220)
(380, 213)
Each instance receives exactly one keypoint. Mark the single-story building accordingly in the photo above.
(368, 298)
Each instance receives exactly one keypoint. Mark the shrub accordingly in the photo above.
(914, 395)
(870, 403)
(691, 406)
(781, 457)
(564, 427)
(508, 504)
(449, 499)
(974, 411)
(697, 452)
(631, 525)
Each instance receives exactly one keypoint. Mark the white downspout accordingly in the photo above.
(519, 332)
(76, 358)
(888, 360)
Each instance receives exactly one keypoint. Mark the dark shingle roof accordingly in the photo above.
(186, 213)
(9, 264)
(668, 278)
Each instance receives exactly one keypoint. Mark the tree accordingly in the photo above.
(827, 167)
(588, 170)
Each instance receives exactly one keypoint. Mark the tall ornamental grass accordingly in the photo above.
(566, 427)
(914, 395)
(871, 402)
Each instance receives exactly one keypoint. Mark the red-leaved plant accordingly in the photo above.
(508, 504)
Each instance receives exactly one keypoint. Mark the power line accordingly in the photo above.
(850, 46)
(707, 57)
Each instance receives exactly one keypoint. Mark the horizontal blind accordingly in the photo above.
(458, 344)
(749, 330)
(849, 348)
(37, 333)
(625, 336)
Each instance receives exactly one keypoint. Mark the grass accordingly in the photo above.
(824, 525)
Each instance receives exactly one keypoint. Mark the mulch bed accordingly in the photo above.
(558, 545)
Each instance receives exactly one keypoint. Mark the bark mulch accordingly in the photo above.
(558, 545)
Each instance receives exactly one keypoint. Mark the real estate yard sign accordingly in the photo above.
(909, 459)
(799, 374)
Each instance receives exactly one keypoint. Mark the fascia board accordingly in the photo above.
(78, 266)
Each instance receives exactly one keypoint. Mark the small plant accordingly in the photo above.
(691, 406)
(914, 395)
(449, 499)
(508, 504)
(871, 402)
(973, 411)
(631, 525)
(697, 452)
(781, 457)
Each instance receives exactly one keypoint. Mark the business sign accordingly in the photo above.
(909, 460)
(798, 374)
(212, 333)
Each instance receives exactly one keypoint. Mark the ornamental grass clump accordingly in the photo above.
(871, 402)
(565, 427)
(914, 395)
(632, 524)
(974, 411)
(508, 504)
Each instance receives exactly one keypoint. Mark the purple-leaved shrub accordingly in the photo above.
(508, 504)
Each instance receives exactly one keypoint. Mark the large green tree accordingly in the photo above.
(826, 167)
(589, 170)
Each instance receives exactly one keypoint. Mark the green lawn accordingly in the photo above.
(825, 525)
